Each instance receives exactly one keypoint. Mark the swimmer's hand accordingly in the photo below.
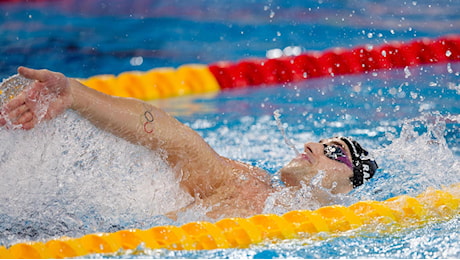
(49, 96)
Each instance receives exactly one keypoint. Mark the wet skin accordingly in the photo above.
(312, 161)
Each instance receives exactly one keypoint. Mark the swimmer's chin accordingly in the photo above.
(295, 172)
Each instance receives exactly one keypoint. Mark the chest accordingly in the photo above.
(240, 198)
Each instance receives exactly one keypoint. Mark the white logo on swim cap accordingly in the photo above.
(366, 170)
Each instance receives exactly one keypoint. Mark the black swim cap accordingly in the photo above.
(364, 166)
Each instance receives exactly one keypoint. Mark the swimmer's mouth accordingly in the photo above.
(306, 155)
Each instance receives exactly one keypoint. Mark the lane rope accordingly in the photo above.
(197, 79)
(397, 212)
(400, 211)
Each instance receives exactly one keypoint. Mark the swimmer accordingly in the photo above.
(230, 188)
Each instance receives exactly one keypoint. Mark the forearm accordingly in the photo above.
(130, 119)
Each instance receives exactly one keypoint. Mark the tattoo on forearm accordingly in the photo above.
(147, 120)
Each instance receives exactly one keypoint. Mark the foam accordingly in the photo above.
(417, 158)
(12, 86)
(75, 179)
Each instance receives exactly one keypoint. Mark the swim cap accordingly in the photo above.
(364, 166)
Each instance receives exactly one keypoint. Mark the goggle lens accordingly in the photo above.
(337, 153)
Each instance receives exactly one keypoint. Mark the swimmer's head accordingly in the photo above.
(342, 162)
(364, 166)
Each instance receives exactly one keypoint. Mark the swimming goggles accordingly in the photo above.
(337, 153)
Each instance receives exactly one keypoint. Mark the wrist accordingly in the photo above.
(76, 90)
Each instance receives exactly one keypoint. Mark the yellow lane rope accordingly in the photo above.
(156, 83)
(397, 212)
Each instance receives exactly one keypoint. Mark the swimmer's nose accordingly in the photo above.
(314, 148)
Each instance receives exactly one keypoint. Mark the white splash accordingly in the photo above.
(68, 177)
(9, 89)
(419, 158)
(288, 142)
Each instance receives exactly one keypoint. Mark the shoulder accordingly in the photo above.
(243, 194)
(245, 171)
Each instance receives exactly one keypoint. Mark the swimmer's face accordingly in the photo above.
(335, 164)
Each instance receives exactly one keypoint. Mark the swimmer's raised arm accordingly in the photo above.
(199, 166)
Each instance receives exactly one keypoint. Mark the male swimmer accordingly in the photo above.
(228, 187)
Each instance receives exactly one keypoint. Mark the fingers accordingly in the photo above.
(21, 117)
(15, 102)
(27, 120)
(13, 113)
(29, 124)
(40, 75)
(16, 113)
(2, 120)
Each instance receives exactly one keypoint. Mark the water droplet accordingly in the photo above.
(136, 61)
(449, 68)
(407, 72)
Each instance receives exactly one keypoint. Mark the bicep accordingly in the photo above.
(198, 166)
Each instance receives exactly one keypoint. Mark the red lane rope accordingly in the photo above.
(337, 61)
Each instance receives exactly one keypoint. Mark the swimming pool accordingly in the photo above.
(410, 114)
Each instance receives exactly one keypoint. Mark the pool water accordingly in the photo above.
(76, 179)
(86, 38)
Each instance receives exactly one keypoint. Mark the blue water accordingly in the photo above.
(76, 179)
(97, 37)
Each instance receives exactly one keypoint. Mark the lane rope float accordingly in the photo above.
(337, 61)
(397, 212)
(400, 211)
(156, 83)
(197, 79)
